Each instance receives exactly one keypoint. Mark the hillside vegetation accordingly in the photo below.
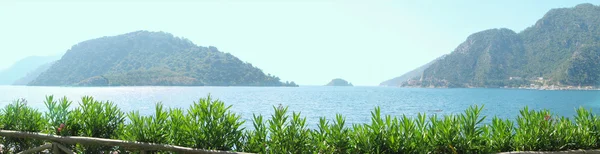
(562, 48)
(145, 58)
(209, 124)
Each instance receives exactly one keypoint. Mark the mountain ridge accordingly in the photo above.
(560, 49)
(417, 72)
(23, 67)
(144, 58)
(32, 75)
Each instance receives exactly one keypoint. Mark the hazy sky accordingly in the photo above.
(310, 42)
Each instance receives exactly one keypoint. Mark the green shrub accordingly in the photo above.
(378, 133)
(58, 114)
(319, 137)
(96, 119)
(256, 140)
(208, 124)
(539, 130)
(278, 140)
(565, 135)
(588, 126)
(338, 135)
(535, 130)
(149, 129)
(298, 135)
(18, 116)
(213, 126)
(331, 138)
(471, 139)
(444, 134)
(500, 135)
(179, 131)
(361, 141)
(415, 134)
(284, 135)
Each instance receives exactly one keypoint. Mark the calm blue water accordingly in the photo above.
(355, 103)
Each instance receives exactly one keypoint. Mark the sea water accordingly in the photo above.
(313, 102)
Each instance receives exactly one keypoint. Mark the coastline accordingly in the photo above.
(556, 88)
(549, 88)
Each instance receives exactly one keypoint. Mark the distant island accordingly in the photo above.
(561, 51)
(339, 82)
(144, 58)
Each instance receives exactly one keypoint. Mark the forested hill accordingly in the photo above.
(562, 48)
(146, 58)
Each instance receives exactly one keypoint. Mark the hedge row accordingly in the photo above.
(208, 124)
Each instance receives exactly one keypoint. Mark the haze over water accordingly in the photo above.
(355, 103)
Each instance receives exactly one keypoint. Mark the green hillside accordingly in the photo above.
(485, 57)
(561, 49)
(145, 58)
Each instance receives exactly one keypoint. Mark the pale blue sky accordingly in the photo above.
(310, 42)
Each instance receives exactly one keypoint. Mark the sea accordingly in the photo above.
(314, 102)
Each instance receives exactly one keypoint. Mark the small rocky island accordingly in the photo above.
(339, 82)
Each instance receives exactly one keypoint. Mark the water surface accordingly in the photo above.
(313, 102)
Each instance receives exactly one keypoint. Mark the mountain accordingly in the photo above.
(485, 57)
(32, 75)
(338, 82)
(416, 73)
(22, 67)
(562, 49)
(144, 58)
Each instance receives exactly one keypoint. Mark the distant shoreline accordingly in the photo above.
(555, 89)
(410, 87)
(138, 86)
(521, 88)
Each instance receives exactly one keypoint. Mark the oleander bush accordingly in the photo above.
(150, 129)
(256, 140)
(58, 115)
(212, 126)
(20, 117)
(95, 119)
(208, 124)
